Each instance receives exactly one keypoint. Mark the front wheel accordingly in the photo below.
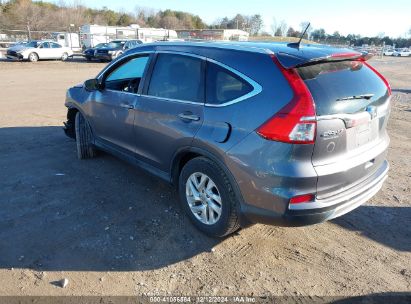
(84, 138)
(33, 57)
(207, 197)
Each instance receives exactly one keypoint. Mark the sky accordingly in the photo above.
(364, 17)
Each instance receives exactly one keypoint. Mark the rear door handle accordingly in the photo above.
(127, 106)
(188, 116)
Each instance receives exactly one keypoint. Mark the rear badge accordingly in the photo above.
(331, 134)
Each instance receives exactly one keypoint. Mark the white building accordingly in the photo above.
(214, 34)
(93, 34)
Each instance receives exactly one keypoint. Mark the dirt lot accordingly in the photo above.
(112, 229)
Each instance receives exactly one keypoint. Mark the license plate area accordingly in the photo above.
(365, 133)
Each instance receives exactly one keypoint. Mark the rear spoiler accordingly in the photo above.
(301, 57)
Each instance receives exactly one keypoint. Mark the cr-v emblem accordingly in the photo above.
(332, 133)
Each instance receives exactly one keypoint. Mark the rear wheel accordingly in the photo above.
(84, 138)
(208, 198)
(33, 57)
(64, 57)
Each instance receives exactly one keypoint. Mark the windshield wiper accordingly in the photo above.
(363, 96)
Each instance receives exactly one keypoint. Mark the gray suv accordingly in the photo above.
(247, 132)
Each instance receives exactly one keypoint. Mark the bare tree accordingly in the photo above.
(283, 27)
(274, 26)
(170, 22)
(256, 24)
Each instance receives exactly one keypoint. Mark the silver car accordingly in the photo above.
(37, 50)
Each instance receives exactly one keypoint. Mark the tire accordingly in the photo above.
(84, 138)
(64, 57)
(33, 57)
(219, 224)
(88, 58)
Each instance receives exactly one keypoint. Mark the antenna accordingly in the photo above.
(297, 44)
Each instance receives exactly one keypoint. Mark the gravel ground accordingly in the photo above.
(112, 229)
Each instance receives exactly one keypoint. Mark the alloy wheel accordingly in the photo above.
(203, 198)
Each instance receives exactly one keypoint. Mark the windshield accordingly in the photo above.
(114, 44)
(31, 44)
(101, 45)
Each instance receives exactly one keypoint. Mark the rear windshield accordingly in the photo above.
(343, 87)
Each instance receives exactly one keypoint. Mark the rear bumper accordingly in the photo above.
(321, 210)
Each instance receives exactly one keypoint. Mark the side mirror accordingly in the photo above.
(92, 85)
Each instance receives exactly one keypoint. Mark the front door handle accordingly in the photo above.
(189, 116)
(127, 106)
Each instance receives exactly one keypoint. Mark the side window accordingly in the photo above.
(55, 45)
(223, 85)
(45, 45)
(131, 69)
(177, 77)
(127, 76)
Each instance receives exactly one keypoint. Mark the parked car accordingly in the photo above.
(402, 53)
(89, 53)
(39, 49)
(247, 132)
(115, 49)
(388, 52)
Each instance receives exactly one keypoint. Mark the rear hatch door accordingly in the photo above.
(352, 107)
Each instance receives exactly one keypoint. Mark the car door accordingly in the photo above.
(44, 51)
(170, 109)
(56, 50)
(112, 109)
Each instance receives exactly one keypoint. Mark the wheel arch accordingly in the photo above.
(33, 52)
(70, 124)
(186, 154)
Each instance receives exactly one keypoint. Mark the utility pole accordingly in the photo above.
(28, 30)
(71, 42)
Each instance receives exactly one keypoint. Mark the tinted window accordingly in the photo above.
(55, 45)
(223, 85)
(114, 45)
(45, 45)
(177, 77)
(334, 84)
(32, 44)
(133, 68)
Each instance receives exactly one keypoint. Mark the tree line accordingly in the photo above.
(45, 16)
(281, 29)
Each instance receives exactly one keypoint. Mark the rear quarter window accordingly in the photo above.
(223, 85)
(334, 84)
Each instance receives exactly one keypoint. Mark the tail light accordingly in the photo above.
(295, 122)
(379, 75)
(306, 198)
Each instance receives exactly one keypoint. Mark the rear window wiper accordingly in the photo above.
(363, 96)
